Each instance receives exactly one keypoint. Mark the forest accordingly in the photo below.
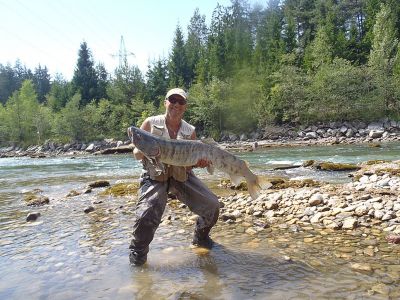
(292, 62)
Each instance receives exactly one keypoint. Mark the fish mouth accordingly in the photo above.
(133, 135)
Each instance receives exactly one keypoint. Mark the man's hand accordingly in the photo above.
(203, 163)
(138, 154)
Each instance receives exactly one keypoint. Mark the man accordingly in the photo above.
(180, 181)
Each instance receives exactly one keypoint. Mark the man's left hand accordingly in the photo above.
(203, 163)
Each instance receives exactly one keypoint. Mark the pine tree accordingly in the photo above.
(196, 42)
(127, 84)
(383, 57)
(178, 67)
(157, 82)
(85, 79)
(41, 81)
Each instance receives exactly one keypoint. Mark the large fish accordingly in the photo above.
(187, 153)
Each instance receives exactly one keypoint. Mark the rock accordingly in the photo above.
(316, 218)
(361, 210)
(393, 238)
(90, 148)
(334, 225)
(36, 200)
(379, 214)
(99, 183)
(88, 209)
(311, 135)
(73, 193)
(374, 134)
(361, 267)
(227, 216)
(32, 216)
(381, 288)
(350, 223)
(316, 199)
(271, 205)
(237, 214)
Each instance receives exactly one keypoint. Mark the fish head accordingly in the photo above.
(144, 141)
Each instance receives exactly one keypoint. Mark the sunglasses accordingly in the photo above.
(181, 101)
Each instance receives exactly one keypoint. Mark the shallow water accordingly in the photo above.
(67, 254)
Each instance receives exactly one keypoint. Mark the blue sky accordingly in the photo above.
(50, 32)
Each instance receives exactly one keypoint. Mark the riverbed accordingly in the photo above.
(67, 254)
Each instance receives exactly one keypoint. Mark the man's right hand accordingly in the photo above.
(138, 154)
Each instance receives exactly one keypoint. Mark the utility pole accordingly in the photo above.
(123, 54)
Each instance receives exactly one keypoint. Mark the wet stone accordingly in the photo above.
(381, 288)
(33, 216)
(350, 223)
(88, 209)
(369, 252)
(361, 267)
(240, 229)
(99, 183)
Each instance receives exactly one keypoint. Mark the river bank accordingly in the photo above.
(342, 234)
(322, 134)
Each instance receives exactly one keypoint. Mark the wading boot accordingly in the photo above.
(137, 259)
(205, 242)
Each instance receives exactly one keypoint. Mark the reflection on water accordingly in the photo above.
(68, 254)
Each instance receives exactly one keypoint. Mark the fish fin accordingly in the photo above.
(255, 187)
(209, 141)
(263, 182)
(210, 169)
(235, 179)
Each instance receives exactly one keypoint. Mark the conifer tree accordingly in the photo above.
(85, 78)
(179, 75)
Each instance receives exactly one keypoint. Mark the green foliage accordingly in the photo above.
(196, 41)
(339, 92)
(178, 64)
(157, 82)
(140, 111)
(285, 96)
(85, 78)
(22, 115)
(60, 93)
(383, 59)
(4, 133)
(69, 124)
(320, 50)
(41, 80)
(293, 61)
(206, 107)
(127, 84)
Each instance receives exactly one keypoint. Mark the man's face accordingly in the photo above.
(175, 106)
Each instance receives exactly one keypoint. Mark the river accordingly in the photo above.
(67, 254)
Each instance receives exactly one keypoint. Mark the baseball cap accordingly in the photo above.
(177, 91)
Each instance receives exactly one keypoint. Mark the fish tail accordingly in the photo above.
(257, 184)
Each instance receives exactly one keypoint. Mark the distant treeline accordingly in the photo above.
(294, 61)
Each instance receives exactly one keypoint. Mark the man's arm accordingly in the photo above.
(136, 152)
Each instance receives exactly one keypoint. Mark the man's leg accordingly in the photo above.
(200, 200)
(149, 210)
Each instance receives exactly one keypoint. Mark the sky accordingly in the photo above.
(50, 32)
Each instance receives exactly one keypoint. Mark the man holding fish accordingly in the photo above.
(168, 148)
(159, 179)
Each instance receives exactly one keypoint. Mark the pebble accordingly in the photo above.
(361, 267)
(33, 216)
(88, 209)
